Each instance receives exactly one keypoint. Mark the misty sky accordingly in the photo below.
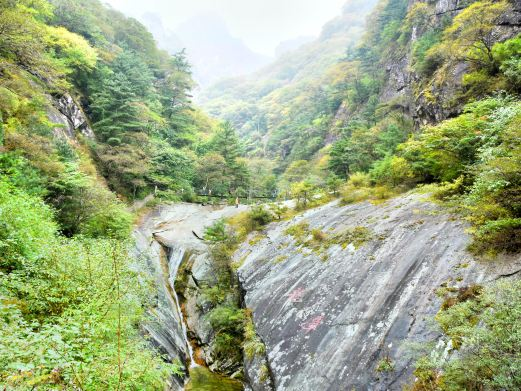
(261, 24)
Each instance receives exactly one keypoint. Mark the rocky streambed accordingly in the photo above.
(166, 240)
(333, 292)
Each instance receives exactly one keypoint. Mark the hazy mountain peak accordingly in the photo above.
(292, 44)
(212, 49)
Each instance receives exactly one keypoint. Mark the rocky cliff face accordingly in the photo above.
(398, 90)
(438, 102)
(165, 325)
(69, 118)
(330, 311)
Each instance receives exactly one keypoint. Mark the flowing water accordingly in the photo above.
(200, 377)
(178, 255)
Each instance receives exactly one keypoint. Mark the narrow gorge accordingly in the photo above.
(329, 313)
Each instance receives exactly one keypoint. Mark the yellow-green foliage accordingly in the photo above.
(357, 236)
(71, 49)
(253, 220)
(280, 259)
(320, 241)
(318, 235)
(358, 189)
(483, 324)
(475, 156)
(252, 345)
(469, 37)
(299, 231)
(256, 239)
(385, 365)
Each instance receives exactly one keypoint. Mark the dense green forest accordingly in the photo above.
(318, 123)
(65, 269)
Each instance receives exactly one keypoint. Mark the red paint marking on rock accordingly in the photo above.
(313, 324)
(296, 295)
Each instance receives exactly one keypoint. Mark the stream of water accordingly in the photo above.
(177, 257)
(166, 236)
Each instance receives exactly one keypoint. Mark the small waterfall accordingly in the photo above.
(177, 256)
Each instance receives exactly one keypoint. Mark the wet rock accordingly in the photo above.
(329, 317)
(164, 326)
(171, 227)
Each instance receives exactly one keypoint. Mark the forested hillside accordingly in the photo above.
(283, 111)
(377, 113)
(92, 116)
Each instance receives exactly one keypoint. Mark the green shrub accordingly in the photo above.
(392, 171)
(299, 231)
(27, 231)
(359, 179)
(278, 209)
(259, 217)
(385, 365)
(216, 232)
(84, 207)
(425, 59)
(318, 236)
(17, 170)
(228, 322)
(485, 330)
(62, 318)
(447, 190)
(252, 345)
(352, 195)
(498, 235)
(357, 236)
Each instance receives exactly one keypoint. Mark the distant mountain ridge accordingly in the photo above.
(213, 52)
(292, 44)
(285, 95)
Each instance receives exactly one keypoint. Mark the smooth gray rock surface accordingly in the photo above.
(327, 324)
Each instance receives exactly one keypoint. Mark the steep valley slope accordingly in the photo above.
(329, 313)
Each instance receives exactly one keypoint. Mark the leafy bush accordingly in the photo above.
(359, 179)
(216, 232)
(499, 235)
(486, 329)
(61, 305)
(27, 231)
(259, 217)
(252, 345)
(228, 322)
(299, 231)
(18, 171)
(393, 171)
(385, 365)
(447, 190)
(84, 207)
(425, 59)
(358, 189)
(278, 210)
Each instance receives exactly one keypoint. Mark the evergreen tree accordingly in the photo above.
(227, 143)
